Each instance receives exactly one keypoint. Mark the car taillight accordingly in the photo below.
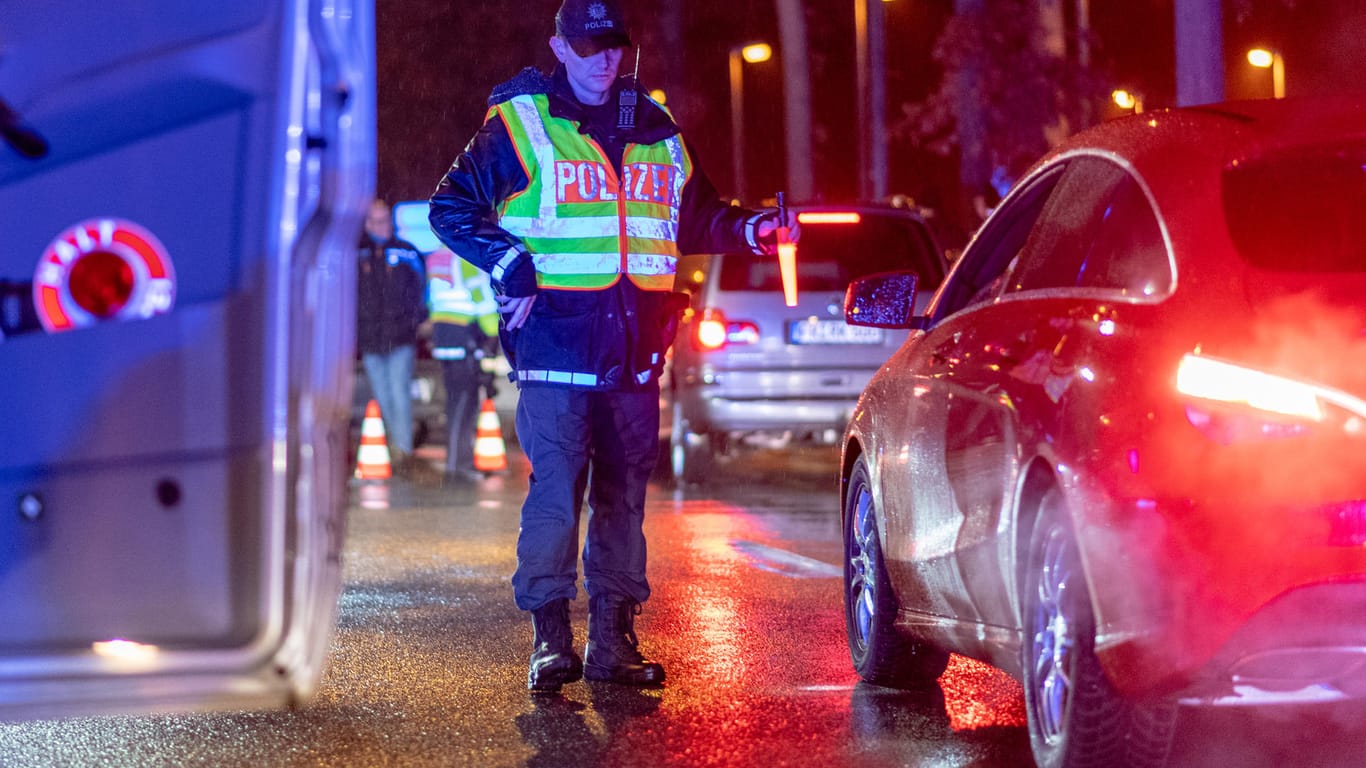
(714, 331)
(1210, 379)
(1231, 403)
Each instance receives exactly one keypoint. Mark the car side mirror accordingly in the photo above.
(882, 300)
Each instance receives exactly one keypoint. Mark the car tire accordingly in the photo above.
(1076, 717)
(690, 455)
(881, 653)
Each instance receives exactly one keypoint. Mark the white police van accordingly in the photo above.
(181, 188)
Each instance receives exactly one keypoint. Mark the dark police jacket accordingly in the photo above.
(617, 335)
(390, 294)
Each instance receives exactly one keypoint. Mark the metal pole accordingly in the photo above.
(1199, 52)
(861, 86)
(877, 98)
(796, 99)
(737, 122)
(1277, 75)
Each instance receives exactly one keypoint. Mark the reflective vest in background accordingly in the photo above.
(458, 293)
(584, 225)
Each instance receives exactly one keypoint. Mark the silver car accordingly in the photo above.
(746, 366)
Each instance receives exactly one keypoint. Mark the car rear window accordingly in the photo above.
(830, 255)
(1301, 210)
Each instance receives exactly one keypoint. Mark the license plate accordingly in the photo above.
(831, 332)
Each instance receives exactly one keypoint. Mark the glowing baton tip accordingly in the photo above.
(787, 264)
(787, 256)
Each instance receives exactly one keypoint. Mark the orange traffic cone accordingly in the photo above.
(490, 452)
(372, 458)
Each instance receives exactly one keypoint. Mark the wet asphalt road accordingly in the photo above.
(429, 659)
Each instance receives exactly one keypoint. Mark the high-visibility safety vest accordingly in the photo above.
(459, 292)
(584, 224)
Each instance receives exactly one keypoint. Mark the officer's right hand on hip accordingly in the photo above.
(515, 309)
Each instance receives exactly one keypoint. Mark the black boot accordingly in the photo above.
(553, 660)
(611, 653)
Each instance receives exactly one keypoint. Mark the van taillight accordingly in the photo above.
(714, 331)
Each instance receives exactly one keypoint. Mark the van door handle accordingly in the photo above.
(21, 138)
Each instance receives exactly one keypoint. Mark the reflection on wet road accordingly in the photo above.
(429, 662)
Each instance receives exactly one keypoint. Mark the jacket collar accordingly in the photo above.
(653, 124)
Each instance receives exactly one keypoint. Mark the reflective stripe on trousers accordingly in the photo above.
(559, 428)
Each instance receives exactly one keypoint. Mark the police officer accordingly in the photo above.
(464, 321)
(577, 195)
(390, 307)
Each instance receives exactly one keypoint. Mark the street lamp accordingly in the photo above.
(753, 53)
(1264, 58)
(1128, 100)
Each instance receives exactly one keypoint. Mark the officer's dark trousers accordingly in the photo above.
(564, 433)
(462, 411)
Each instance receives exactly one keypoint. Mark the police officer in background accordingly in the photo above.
(390, 305)
(577, 195)
(464, 321)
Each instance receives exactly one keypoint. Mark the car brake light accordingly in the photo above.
(711, 333)
(829, 217)
(714, 331)
(1209, 379)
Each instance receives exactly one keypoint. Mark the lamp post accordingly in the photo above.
(872, 98)
(1266, 58)
(752, 53)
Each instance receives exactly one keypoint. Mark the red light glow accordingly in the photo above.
(829, 217)
(977, 695)
(101, 283)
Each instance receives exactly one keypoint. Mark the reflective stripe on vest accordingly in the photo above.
(583, 224)
(459, 292)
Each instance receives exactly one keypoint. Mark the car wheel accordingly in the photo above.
(1076, 717)
(690, 455)
(880, 652)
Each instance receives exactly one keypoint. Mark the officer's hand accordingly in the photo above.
(768, 224)
(515, 309)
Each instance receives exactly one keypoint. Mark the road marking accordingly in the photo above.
(786, 563)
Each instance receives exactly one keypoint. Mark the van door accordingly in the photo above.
(181, 188)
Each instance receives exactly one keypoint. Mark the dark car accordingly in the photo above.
(1123, 453)
(746, 365)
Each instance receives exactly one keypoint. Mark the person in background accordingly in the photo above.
(577, 195)
(390, 306)
(464, 321)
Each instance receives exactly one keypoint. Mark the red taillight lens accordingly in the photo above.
(101, 283)
(714, 331)
(711, 333)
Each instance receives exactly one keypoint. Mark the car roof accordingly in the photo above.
(1180, 156)
(1226, 130)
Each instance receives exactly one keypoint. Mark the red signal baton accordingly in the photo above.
(787, 256)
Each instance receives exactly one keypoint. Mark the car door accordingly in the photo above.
(180, 188)
(1001, 358)
(959, 435)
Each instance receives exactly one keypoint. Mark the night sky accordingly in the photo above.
(437, 62)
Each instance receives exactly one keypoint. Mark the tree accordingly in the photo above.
(1009, 92)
